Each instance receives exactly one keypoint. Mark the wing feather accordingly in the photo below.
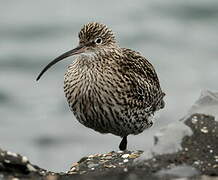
(144, 89)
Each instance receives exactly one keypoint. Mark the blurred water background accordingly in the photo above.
(179, 37)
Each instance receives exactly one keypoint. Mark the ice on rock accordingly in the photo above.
(169, 138)
(206, 104)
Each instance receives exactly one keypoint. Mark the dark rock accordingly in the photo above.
(198, 150)
(199, 154)
(201, 149)
(105, 162)
(186, 149)
(15, 165)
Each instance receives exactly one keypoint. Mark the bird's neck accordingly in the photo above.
(99, 58)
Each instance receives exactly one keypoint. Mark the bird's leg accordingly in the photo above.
(123, 143)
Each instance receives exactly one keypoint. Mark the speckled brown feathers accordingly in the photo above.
(93, 30)
(112, 89)
(108, 88)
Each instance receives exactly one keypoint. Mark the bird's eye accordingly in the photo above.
(98, 40)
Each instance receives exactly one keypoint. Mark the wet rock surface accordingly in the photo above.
(201, 149)
(186, 149)
(197, 158)
(15, 165)
(105, 162)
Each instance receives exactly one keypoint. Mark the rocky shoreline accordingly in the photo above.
(192, 153)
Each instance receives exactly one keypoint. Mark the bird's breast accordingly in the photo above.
(96, 95)
(84, 87)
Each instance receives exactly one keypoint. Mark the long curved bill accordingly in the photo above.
(77, 50)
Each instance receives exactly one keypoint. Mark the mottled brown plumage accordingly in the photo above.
(110, 89)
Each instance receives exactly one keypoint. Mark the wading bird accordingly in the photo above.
(110, 89)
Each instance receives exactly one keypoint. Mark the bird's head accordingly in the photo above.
(93, 37)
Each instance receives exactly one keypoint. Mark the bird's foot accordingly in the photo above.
(123, 144)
